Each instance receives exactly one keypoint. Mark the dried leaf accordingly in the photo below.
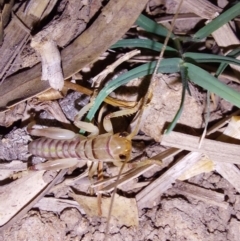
(205, 165)
(7, 118)
(124, 209)
(14, 196)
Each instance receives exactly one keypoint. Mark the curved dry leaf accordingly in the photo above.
(51, 61)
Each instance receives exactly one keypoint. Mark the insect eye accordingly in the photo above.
(122, 157)
(123, 134)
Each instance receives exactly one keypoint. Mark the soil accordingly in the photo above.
(174, 216)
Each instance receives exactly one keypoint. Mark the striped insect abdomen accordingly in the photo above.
(54, 149)
(103, 147)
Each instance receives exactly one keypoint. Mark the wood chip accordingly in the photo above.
(216, 150)
(148, 196)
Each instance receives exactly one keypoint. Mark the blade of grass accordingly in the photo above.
(209, 58)
(207, 118)
(142, 43)
(184, 78)
(234, 53)
(152, 27)
(212, 84)
(217, 22)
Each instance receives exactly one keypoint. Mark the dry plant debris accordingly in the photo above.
(193, 195)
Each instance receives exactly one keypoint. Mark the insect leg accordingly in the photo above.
(145, 163)
(51, 132)
(89, 127)
(107, 122)
(55, 164)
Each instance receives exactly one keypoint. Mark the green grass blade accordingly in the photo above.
(152, 27)
(209, 58)
(184, 78)
(170, 65)
(212, 84)
(234, 53)
(142, 43)
(217, 22)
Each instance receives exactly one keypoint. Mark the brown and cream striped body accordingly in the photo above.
(105, 147)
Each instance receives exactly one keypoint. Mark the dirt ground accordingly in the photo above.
(174, 215)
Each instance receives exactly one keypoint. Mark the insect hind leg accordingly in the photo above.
(55, 164)
(50, 132)
(89, 127)
(107, 122)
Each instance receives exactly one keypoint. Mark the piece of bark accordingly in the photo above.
(68, 20)
(226, 38)
(14, 145)
(4, 17)
(208, 196)
(52, 107)
(15, 36)
(16, 113)
(115, 19)
(7, 169)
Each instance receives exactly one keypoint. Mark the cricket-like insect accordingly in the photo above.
(107, 147)
(66, 149)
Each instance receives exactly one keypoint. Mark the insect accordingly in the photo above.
(110, 148)
(66, 149)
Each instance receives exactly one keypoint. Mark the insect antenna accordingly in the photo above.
(145, 99)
